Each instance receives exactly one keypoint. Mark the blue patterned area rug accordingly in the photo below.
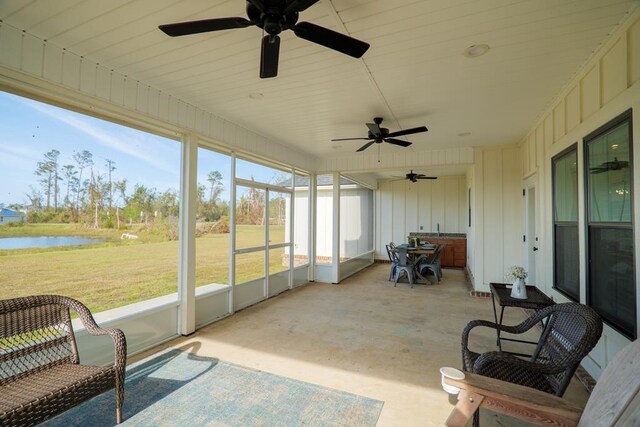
(177, 388)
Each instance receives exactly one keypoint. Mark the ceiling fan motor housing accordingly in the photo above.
(273, 21)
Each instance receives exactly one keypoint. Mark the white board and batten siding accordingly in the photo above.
(606, 86)
(403, 207)
(495, 235)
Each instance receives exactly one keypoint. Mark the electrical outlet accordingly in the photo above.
(420, 227)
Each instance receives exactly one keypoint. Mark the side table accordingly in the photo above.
(536, 300)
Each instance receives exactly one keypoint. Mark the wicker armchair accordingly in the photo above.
(571, 332)
(40, 371)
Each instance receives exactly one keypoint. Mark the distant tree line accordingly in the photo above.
(91, 194)
(88, 193)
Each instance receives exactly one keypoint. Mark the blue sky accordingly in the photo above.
(29, 129)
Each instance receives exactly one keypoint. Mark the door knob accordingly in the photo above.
(535, 249)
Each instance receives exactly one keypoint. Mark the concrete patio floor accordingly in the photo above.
(363, 336)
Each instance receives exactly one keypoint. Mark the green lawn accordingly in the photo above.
(119, 272)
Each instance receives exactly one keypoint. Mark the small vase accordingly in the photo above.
(519, 290)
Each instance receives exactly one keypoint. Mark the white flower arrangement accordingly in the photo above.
(516, 272)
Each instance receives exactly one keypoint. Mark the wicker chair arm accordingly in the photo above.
(89, 323)
(506, 367)
(517, 329)
(119, 342)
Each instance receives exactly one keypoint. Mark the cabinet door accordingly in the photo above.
(460, 253)
(447, 255)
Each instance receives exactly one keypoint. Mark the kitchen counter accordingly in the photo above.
(428, 235)
(455, 249)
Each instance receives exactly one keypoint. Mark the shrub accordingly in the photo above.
(221, 226)
(13, 224)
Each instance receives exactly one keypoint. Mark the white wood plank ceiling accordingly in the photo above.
(415, 72)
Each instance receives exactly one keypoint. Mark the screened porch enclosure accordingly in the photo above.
(214, 194)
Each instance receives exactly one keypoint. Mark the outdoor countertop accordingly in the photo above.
(438, 235)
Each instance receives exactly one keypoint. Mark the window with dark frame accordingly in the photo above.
(610, 248)
(566, 261)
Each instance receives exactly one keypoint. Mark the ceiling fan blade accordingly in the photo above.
(299, 6)
(397, 142)
(351, 139)
(331, 39)
(409, 131)
(426, 177)
(204, 26)
(374, 128)
(365, 146)
(269, 56)
(598, 170)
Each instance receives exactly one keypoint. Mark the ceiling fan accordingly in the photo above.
(414, 177)
(610, 166)
(274, 16)
(379, 135)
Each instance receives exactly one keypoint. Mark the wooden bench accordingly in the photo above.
(40, 371)
(615, 401)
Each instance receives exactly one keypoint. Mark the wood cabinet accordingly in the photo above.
(455, 251)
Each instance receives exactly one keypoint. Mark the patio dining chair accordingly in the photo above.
(393, 259)
(406, 265)
(432, 264)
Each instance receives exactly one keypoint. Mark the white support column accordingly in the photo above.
(267, 195)
(187, 235)
(232, 234)
(292, 212)
(336, 227)
(311, 238)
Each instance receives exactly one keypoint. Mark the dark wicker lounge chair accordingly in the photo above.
(40, 371)
(571, 332)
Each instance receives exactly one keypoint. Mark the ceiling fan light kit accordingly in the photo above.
(273, 16)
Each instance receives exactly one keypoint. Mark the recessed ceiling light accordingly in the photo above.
(256, 95)
(464, 134)
(476, 50)
(614, 146)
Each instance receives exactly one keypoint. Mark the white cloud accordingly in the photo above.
(17, 156)
(127, 141)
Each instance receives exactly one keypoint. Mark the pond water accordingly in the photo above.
(44, 242)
